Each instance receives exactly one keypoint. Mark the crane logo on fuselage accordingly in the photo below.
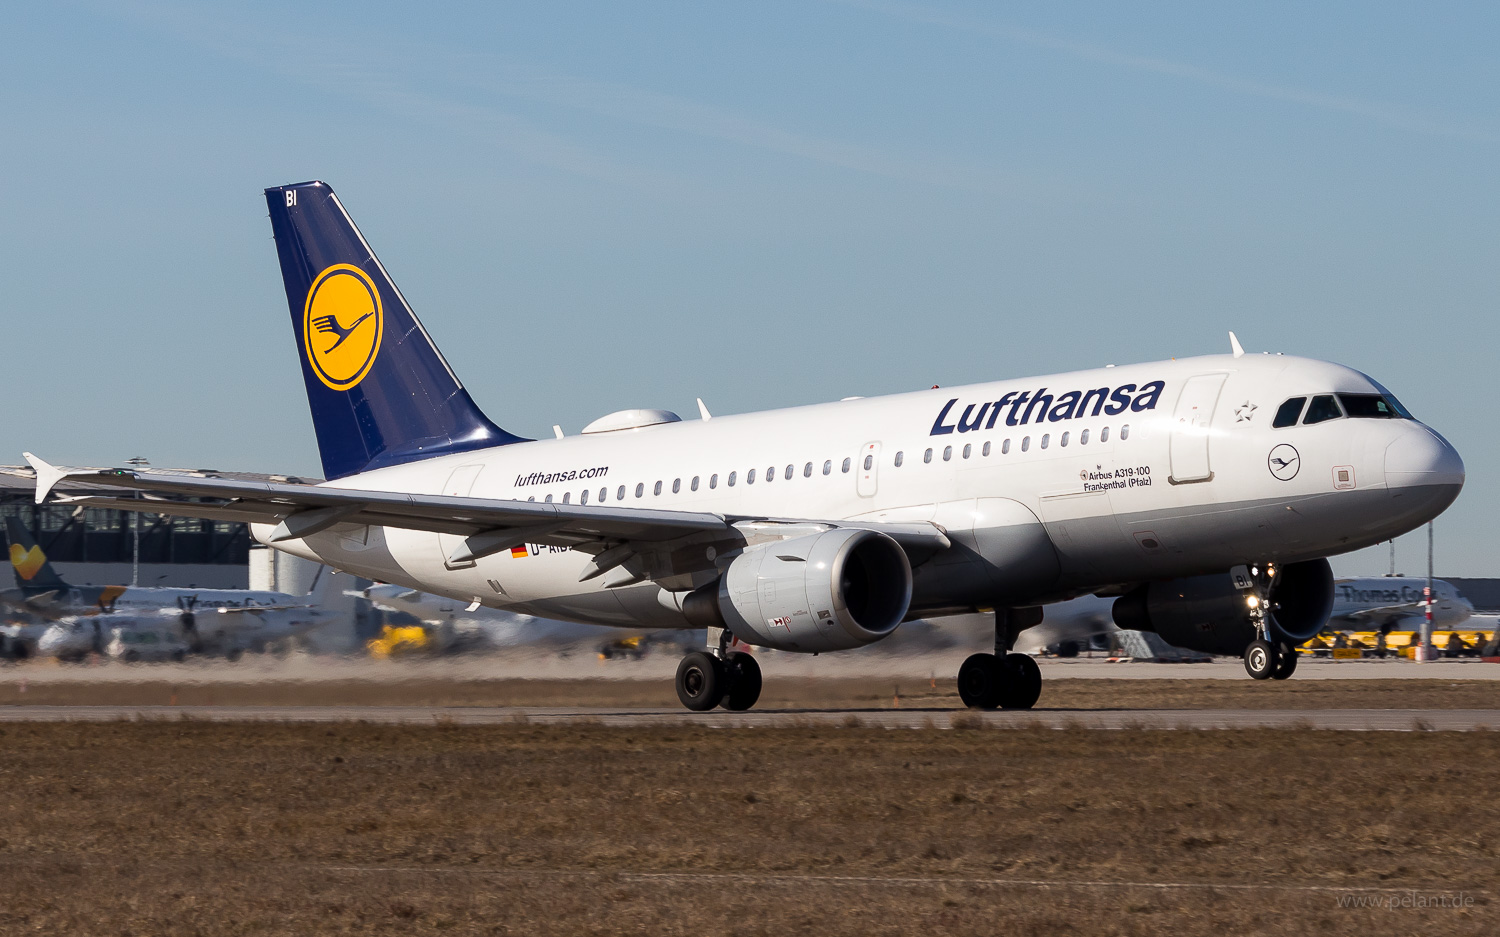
(1047, 408)
(342, 325)
(1284, 462)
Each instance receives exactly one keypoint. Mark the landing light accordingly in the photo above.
(1253, 601)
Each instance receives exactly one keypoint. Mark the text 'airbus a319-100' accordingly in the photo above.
(1204, 493)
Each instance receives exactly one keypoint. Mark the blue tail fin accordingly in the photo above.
(34, 572)
(381, 393)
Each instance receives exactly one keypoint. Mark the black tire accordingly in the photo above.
(743, 671)
(1286, 663)
(1022, 685)
(700, 681)
(233, 654)
(981, 681)
(1261, 659)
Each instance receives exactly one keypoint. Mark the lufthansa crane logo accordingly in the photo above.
(1284, 462)
(342, 325)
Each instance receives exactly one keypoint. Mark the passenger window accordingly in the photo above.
(846, 466)
(750, 477)
(584, 498)
(1321, 409)
(1287, 413)
(1125, 432)
(548, 499)
(1064, 440)
(869, 462)
(656, 490)
(807, 470)
(1025, 443)
(567, 496)
(927, 456)
(1046, 438)
(1005, 447)
(968, 450)
(603, 495)
(713, 480)
(986, 450)
(828, 467)
(620, 495)
(731, 478)
(1083, 438)
(1104, 434)
(1368, 407)
(947, 453)
(770, 474)
(676, 485)
(694, 485)
(900, 457)
(788, 474)
(532, 498)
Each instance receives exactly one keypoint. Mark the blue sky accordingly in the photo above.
(597, 206)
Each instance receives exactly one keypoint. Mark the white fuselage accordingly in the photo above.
(1087, 493)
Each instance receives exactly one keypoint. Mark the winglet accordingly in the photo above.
(47, 476)
(703, 410)
(1235, 346)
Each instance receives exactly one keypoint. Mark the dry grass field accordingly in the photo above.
(780, 693)
(183, 828)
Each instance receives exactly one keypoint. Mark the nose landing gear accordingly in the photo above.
(1265, 658)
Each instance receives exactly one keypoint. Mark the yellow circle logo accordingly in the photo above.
(342, 325)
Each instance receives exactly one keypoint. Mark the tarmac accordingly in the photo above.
(1371, 720)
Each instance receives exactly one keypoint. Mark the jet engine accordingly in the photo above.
(830, 591)
(1208, 614)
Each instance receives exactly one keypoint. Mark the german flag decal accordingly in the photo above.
(520, 552)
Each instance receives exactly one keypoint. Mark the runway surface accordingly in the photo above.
(1381, 720)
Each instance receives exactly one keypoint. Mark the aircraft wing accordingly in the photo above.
(1381, 616)
(616, 535)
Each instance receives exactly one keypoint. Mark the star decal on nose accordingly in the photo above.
(1244, 412)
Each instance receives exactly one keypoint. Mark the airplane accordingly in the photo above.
(1394, 603)
(173, 633)
(41, 597)
(1202, 494)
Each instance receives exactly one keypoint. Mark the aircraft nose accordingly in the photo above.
(1420, 458)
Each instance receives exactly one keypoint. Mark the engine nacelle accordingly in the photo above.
(831, 591)
(1208, 614)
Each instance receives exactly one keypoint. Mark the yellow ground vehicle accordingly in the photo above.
(399, 640)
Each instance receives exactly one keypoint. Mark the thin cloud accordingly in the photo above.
(1390, 116)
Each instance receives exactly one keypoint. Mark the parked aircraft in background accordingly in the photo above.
(212, 621)
(1395, 603)
(1202, 494)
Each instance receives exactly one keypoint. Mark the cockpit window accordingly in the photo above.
(1288, 413)
(1322, 408)
(1373, 406)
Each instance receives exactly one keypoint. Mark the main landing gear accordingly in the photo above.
(718, 677)
(1265, 658)
(1003, 680)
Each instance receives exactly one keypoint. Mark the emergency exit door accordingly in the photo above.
(1191, 428)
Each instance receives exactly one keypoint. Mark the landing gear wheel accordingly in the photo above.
(700, 681)
(743, 672)
(1286, 663)
(1261, 659)
(981, 681)
(1022, 683)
